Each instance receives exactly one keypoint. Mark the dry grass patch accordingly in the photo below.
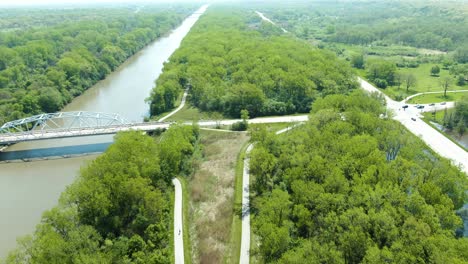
(212, 196)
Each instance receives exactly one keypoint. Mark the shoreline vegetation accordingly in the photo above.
(44, 68)
(232, 61)
(120, 207)
(347, 186)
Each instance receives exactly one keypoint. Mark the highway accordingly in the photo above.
(433, 138)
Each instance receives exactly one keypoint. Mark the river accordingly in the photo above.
(27, 189)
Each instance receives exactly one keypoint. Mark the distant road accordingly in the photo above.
(418, 94)
(433, 138)
(269, 21)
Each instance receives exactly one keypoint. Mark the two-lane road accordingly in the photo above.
(433, 138)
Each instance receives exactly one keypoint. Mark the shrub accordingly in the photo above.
(381, 83)
(239, 126)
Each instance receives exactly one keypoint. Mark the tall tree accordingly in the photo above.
(435, 70)
(446, 83)
(410, 81)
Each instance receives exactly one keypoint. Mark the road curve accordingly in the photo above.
(178, 223)
(433, 138)
(182, 103)
(245, 239)
(418, 94)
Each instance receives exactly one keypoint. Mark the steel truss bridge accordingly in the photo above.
(69, 124)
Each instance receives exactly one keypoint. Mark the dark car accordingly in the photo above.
(420, 106)
(414, 119)
(432, 104)
(404, 107)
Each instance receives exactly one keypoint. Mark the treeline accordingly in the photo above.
(458, 119)
(42, 69)
(441, 26)
(231, 61)
(120, 209)
(350, 187)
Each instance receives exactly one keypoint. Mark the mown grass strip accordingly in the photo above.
(236, 229)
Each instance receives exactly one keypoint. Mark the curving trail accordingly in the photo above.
(245, 239)
(182, 104)
(418, 94)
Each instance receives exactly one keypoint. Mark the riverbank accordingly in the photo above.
(29, 188)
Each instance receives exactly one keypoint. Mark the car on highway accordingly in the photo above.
(404, 107)
(414, 119)
(432, 104)
(420, 106)
(443, 103)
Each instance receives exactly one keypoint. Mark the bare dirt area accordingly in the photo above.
(212, 196)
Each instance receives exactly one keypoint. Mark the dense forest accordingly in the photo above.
(389, 39)
(231, 60)
(43, 67)
(119, 210)
(412, 23)
(350, 187)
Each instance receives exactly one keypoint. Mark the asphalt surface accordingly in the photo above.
(178, 228)
(269, 21)
(245, 239)
(411, 119)
(182, 103)
(418, 94)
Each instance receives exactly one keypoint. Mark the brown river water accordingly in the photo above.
(27, 189)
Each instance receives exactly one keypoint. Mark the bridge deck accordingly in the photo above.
(12, 138)
(7, 139)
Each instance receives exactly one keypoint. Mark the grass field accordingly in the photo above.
(424, 82)
(190, 113)
(437, 98)
(439, 115)
(212, 198)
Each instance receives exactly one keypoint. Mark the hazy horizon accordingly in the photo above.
(25, 3)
